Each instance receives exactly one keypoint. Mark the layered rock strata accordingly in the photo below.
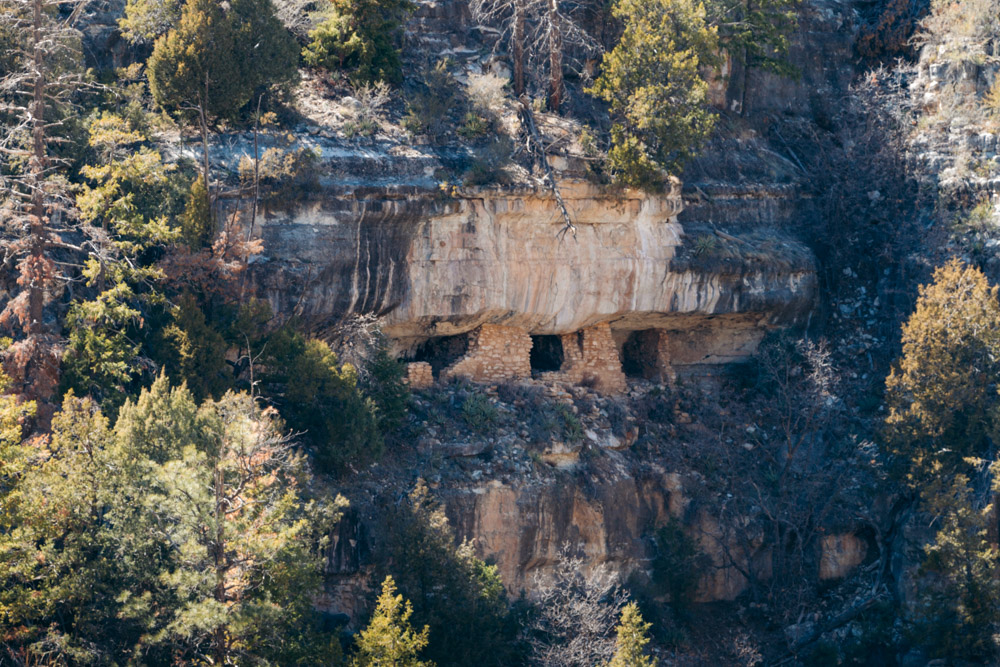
(499, 265)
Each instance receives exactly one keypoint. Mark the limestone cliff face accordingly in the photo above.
(444, 263)
(609, 516)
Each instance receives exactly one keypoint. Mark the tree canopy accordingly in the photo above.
(653, 83)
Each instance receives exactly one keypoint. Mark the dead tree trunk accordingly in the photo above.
(555, 57)
(517, 39)
(35, 263)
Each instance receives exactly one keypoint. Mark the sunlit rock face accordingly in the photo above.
(444, 263)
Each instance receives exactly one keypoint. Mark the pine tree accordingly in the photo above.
(755, 33)
(389, 640)
(183, 534)
(145, 20)
(942, 394)
(956, 614)
(76, 543)
(246, 542)
(321, 398)
(214, 61)
(127, 196)
(196, 221)
(633, 635)
(652, 80)
(362, 38)
(458, 596)
(943, 403)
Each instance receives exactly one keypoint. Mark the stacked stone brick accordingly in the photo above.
(419, 375)
(591, 356)
(495, 354)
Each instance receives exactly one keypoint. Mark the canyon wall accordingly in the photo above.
(446, 263)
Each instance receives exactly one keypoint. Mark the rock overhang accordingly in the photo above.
(445, 262)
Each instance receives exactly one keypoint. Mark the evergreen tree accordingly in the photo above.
(193, 349)
(243, 540)
(942, 395)
(633, 635)
(145, 20)
(943, 404)
(182, 535)
(957, 616)
(458, 596)
(36, 112)
(755, 34)
(362, 38)
(15, 458)
(128, 194)
(76, 545)
(215, 61)
(321, 399)
(389, 640)
(196, 221)
(652, 80)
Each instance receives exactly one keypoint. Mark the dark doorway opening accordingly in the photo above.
(546, 353)
(640, 354)
(442, 351)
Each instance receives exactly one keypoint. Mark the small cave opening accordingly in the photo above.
(640, 356)
(441, 351)
(546, 353)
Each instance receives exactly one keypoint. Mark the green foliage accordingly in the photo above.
(233, 512)
(219, 60)
(15, 458)
(430, 104)
(957, 614)
(457, 595)
(652, 80)
(942, 395)
(197, 226)
(479, 414)
(943, 403)
(181, 534)
(677, 566)
(474, 125)
(384, 385)
(102, 355)
(633, 635)
(145, 20)
(193, 349)
(131, 194)
(322, 400)
(756, 33)
(389, 639)
(58, 579)
(361, 38)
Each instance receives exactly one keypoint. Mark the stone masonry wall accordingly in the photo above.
(419, 375)
(496, 353)
(591, 355)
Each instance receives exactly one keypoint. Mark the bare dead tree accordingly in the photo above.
(539, 33)
(35, 96)
(296, 15)
(577, 615)
(777, 496)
